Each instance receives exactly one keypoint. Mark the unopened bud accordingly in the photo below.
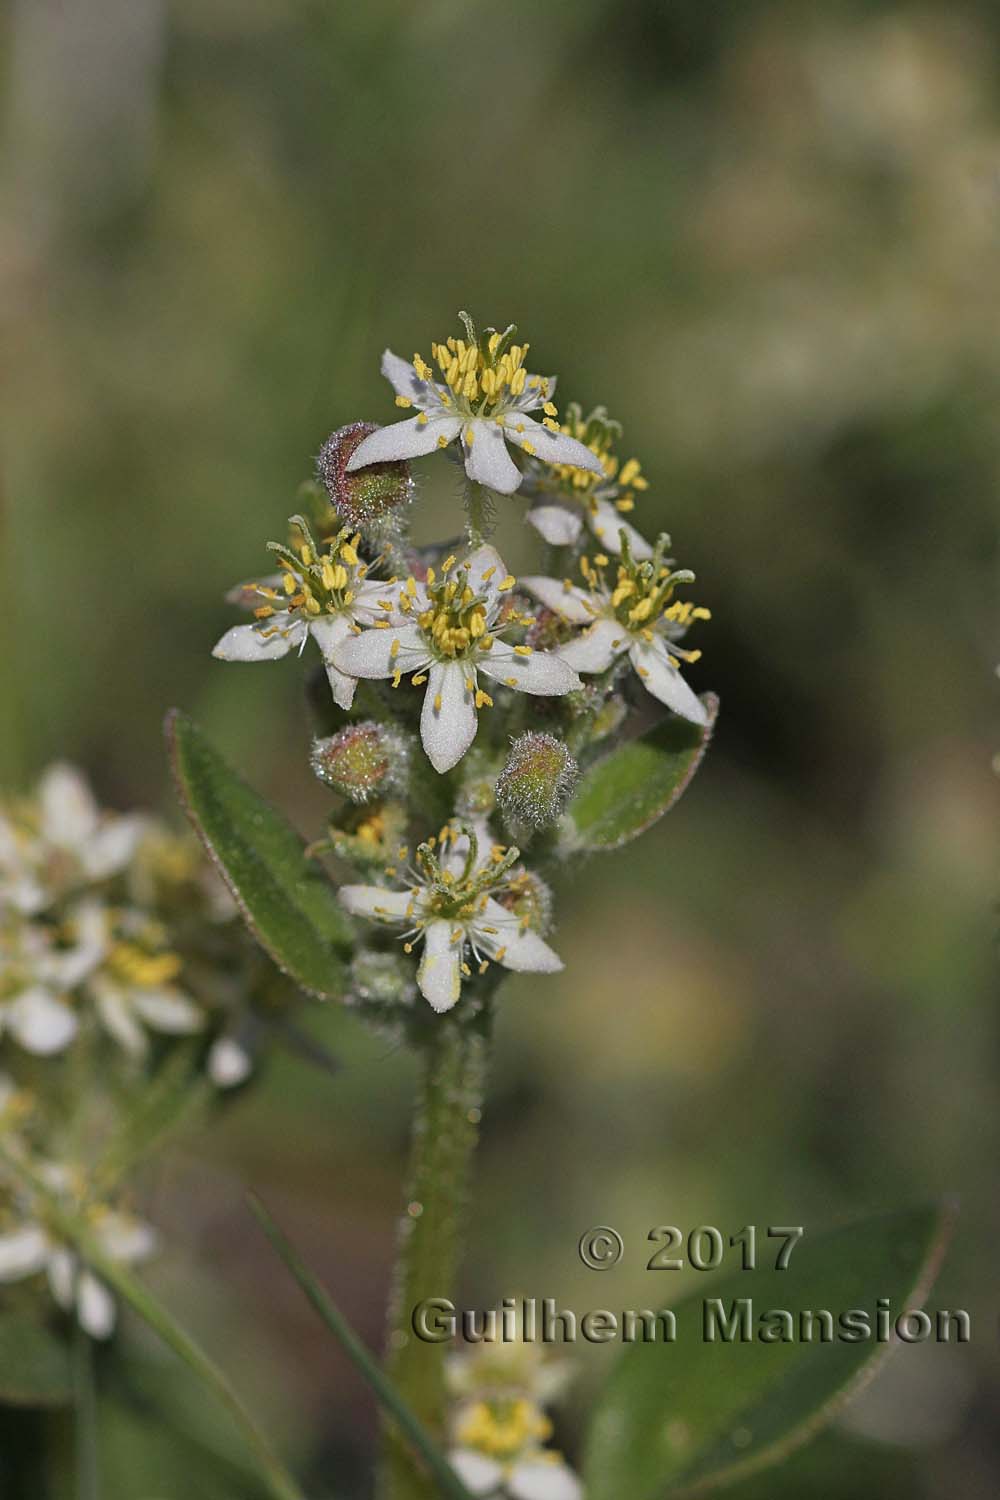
(367, 497)
(537, 781)
(363, 761)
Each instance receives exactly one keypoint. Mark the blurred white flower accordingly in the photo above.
(32, 1248)
(446, 631)
(38, 976)
(483, 401)
(564, 497)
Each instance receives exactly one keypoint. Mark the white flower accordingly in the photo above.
(65, 841)
(483, 401)
(38, 977)
(229, 1063)
(450, 907)
(447, 635)
(32, 1248)
(318, 593)
(637, 616)
(564, 498)
(498, 1451)
(135, 989)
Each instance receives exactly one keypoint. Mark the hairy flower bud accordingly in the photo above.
(363, 761)
(537, 781)
(530, 899)
(371, 496)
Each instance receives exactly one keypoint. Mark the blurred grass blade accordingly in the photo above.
(623, 794)
(693, 1416)
(35, 1364)
(286, 899)
(410, 1426)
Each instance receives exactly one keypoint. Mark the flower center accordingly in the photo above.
(133, 965)
(459, 895)
(599, 433)
(314, 580)
(642, 598)
(484, 374)
(503, 1426)
(455, 619)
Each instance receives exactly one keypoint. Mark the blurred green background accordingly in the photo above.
(767, 237)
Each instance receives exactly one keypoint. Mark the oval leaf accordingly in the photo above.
(34, 1363)
(286, 899)
(622, 795)
(693, 1416)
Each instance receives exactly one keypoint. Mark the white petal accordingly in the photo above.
(375, 901)
(575, 605)
(247, 643)
(69, 813)
(480, 1475)
(125, 1238)
(167, 1009)
(405, 381)
(556, 523)
(370, 654)
(486, 560)
(112, 846)
(552, 447)
(69, 967)
(486, 458)
(542, 1480)
(365, 607)
(95, 1306)
(596, 648)
(652, 662)
(23, 1252)
(543, 672)
(229, 1064)
(117, 1018)
(439, 975)
(409, 439)
(523, 950)
(606, 522)
(534, 395)
(62, 1276)
(41, 1023)
(328, 632)
(448, 720)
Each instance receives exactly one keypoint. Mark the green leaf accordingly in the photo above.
(35, 1366)
(692, 1416)
(286, 899)
(412, 1429)
(622, 795)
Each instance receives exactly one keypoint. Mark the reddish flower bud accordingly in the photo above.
(370, 496)
(363, 761)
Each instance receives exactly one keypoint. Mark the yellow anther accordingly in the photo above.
(549, 409)
(483, 700)
(522, 650)
(263, 612)
(423, 419)
(419, 679)
(437, 703)
(288, 583)
(507, 584)
(403, 401)
(529, 448)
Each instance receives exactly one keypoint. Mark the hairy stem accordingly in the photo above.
(480, 511)
(445, 1132)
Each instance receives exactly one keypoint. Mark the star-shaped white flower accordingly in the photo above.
(451, 906)
(135, 989)
(319, 592)
(483, 401)
(637, 616)
(567, 498)
(447, 636)
(32, 1248)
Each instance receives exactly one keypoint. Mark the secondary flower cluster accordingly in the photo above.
(510, 685)
(499, 1426)
(118, 947)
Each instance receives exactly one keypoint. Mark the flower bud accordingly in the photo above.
(530, 899)
(363, 761)
(381, 979)
(537, 781)
(370, 496)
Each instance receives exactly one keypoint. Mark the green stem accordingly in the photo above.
(85, 1438)
(480, 510)
(74, 1229)
(445, 1132)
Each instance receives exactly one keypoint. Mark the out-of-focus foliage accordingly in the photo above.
(768, 234)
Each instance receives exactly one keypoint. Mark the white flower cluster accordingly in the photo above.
(101, 917)
(461, 642)
(499, 1427)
